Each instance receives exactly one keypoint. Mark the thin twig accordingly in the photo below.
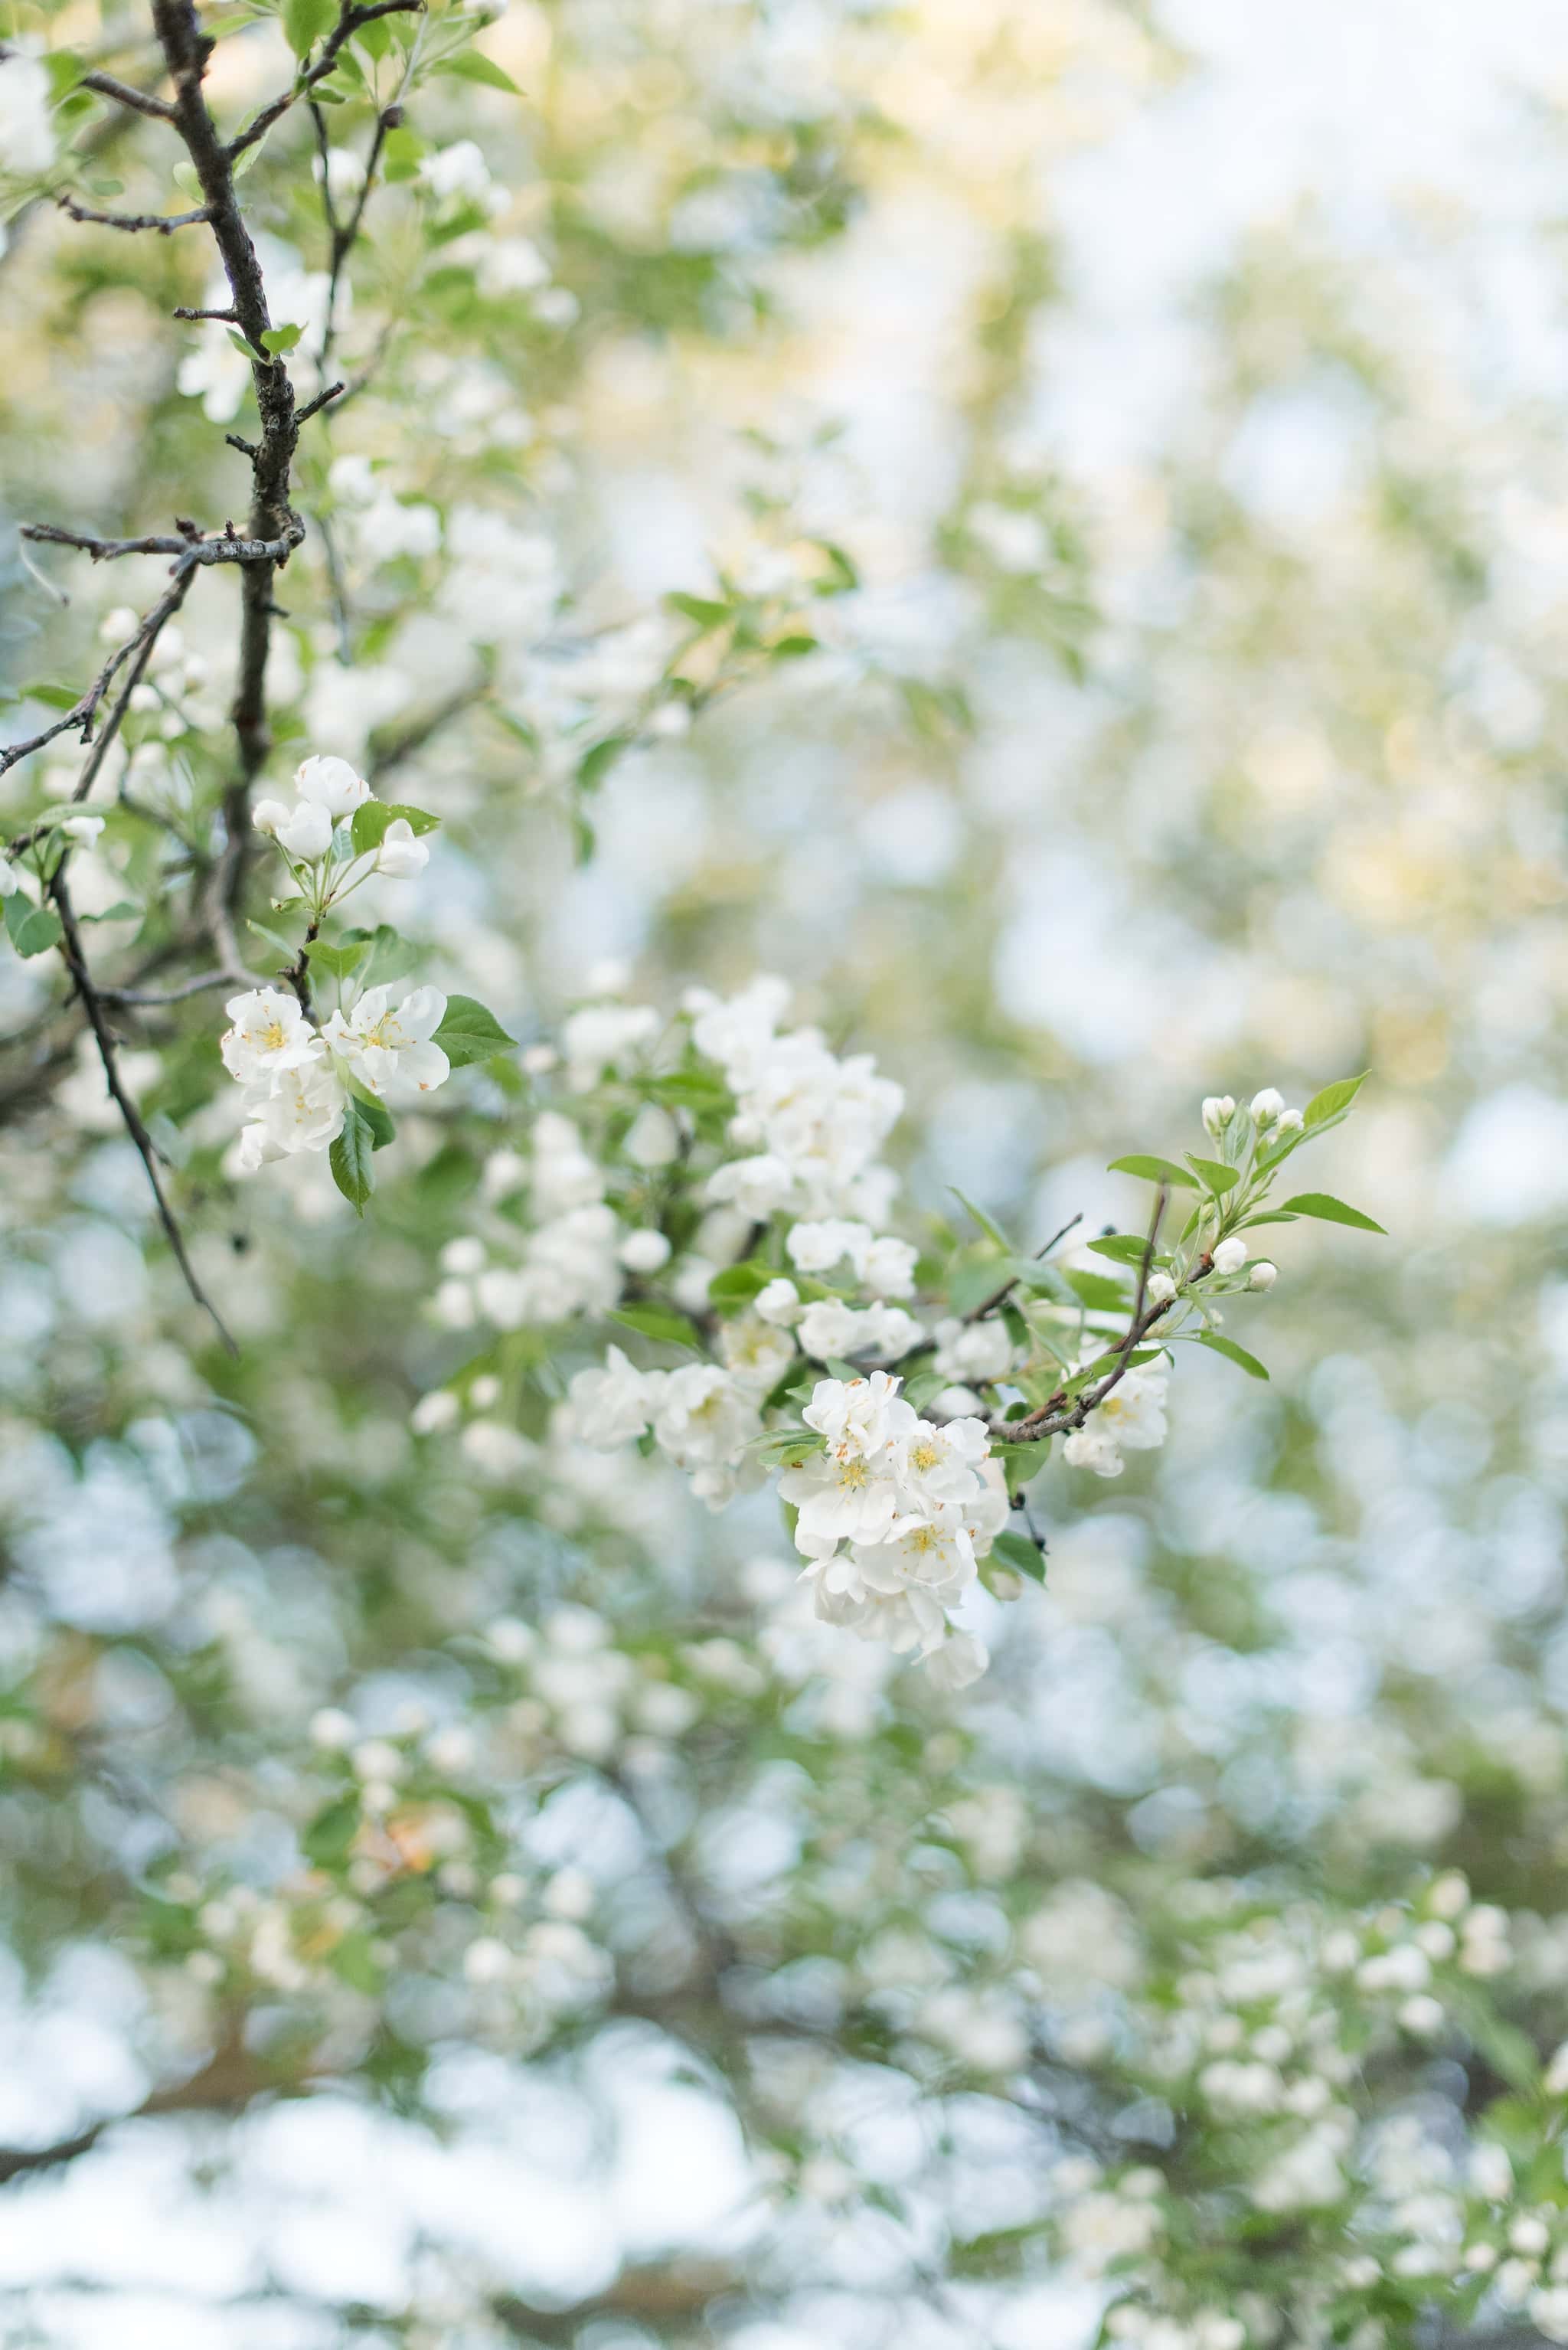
(1056, 1414)
(224, 547)
(989, 1305)
(347, 25)
(153, 997)
(140, 101)
(164, 222)
(138, 650)
(108, 1052)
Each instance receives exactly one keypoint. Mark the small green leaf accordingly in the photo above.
(377, 1117)
(472, 65)
(1153, 1171)
(373, 817)
(1018, 1552)
(350, 1156)
(992, 1230)
(53, 697)
(247, 350)
(1331, 1210)
(338, 960)
(122, 912)
(596, 763)
(1098, 1292)
(792, 647)
(660, 1322)
(278, 339)
(842, 574)
(33, 929)
(304, 23)
(469, 1033)
(703, 610)
(1122, 1248)
(274, 939)
(1232, 1353)
(1333, 1101)
(1217, 1177)
(329, 1838)
(739, 1282)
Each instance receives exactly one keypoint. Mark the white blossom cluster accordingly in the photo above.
(893, 1514)
(296, 1076)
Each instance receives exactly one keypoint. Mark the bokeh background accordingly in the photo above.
(1186, 386)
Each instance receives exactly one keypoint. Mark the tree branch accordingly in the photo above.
(987, 1306)
(1056, 1416)
(108, 1053)
(140, 101)
(347, 25)
(164, 222)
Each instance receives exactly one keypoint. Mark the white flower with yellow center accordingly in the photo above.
(299, 1108)
(840, 1497)
(387, 1047)
(270, 1034)
(935, 1553)
(932, 1465)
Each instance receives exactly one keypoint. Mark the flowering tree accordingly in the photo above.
(378, 1714)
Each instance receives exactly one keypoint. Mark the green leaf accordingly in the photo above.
(992, 1231)
(1232, 1353)
(274, 939)
(372, 819)
(739, 1282)
(388, 956)
(121, 911)
(792, 647)
(304, 23)
(596, 763)
(338, 960)
(328, 1840)
(33, 929)
(1331, 1210)
(1218, 1177)
(469, 1033)
(1122, 1248)
(378, 1118)
(1018, 1552)
(1153, 1171)
(278, 339)
(1333, 1101)
(472, 65)
(65, 69)
(1098, 1292)
(842, 578)
(401, 155)
(660, 1322)
(703, 610)
(247, 350)
(53, 697)
(350, 1156)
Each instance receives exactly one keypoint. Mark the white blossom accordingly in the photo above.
(388, 1047)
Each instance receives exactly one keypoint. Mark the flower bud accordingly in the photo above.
(1263, 1274)
(8, 876)
(1230, 1255)
(644, 1251)
(1290, 1121)
(1217, 1112)
(1161, 1289)
(1267, 1106)
(266, 816)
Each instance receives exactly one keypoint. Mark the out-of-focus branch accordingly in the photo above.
(108, 1053)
